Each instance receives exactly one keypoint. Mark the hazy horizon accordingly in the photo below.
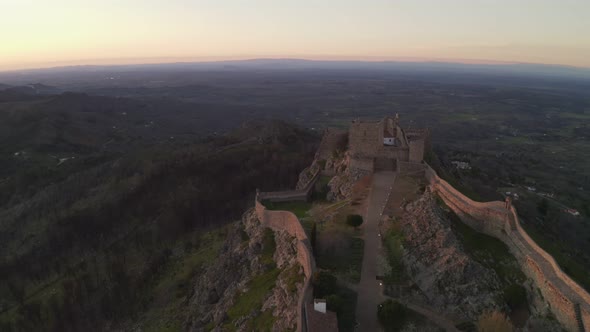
(40, 34)
(165, 61)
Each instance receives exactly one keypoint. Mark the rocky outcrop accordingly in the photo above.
(447, 277)
(241, 260)
(283, 300)
(307, 175)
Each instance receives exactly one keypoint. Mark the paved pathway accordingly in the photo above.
(369, 291)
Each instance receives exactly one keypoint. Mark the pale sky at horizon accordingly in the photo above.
(45, 33)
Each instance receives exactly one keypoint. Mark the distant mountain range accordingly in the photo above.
(302, 64)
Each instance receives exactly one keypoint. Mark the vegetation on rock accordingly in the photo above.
(392, 315)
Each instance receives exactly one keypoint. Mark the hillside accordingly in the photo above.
(89, 241)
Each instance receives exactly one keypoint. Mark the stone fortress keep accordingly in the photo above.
(384, 145)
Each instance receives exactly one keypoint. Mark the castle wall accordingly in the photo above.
(291, 195)
(288, 222)
(390, 126)
(492, 218)
(332, 140)
(358, 167)
(401, 136)
(406, 168)
(399, 153)
(365, 138)
(416, 150)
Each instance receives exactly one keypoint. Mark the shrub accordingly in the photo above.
(334, 303)
(354, 220)
(466, 327)
(515, 296)
(324, 284)
(392, 315)
(314, 230)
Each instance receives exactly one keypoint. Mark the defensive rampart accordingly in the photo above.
(288, 222)
(291, 195)
(569, 302)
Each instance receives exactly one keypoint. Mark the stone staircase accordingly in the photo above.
(578, 313)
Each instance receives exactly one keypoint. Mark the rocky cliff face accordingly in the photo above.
(241, 260)
(340, 185)
(448, 279)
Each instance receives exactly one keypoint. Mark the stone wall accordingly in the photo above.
(399, 153)
(332, 140)
(493, 218)
(288, 222)
(364, 138)
(291, 195)
(490, 217)
(416, 149)
(408, 168)
(360, 166)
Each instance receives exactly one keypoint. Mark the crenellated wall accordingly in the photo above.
(496, 219)
(288, 222)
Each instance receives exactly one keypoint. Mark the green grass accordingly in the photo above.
(258, 289)
(346, 262)
(263, 322)
(299, 208)
(293, 277)
(321, 188)
(393, 245)
(347, 310)
(173, 284)
(268, 248)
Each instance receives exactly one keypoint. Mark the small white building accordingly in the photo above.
(388, 140)
(461, 165)
(319, 305)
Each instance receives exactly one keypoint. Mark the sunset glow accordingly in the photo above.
(40, 33)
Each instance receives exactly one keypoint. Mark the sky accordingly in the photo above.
(48, 33)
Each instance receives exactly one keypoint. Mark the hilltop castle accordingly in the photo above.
(384, 145)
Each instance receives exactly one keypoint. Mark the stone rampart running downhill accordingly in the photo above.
(291, 195)
(569, 302)
(288, 222)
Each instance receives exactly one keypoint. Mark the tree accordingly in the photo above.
(354, 220)
(543, 207)
(335, 303)
(515, 296)
(324, 284)
(392, 315)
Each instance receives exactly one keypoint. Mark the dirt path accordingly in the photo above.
(369, 290)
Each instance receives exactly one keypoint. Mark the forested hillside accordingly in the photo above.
(87, 232)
